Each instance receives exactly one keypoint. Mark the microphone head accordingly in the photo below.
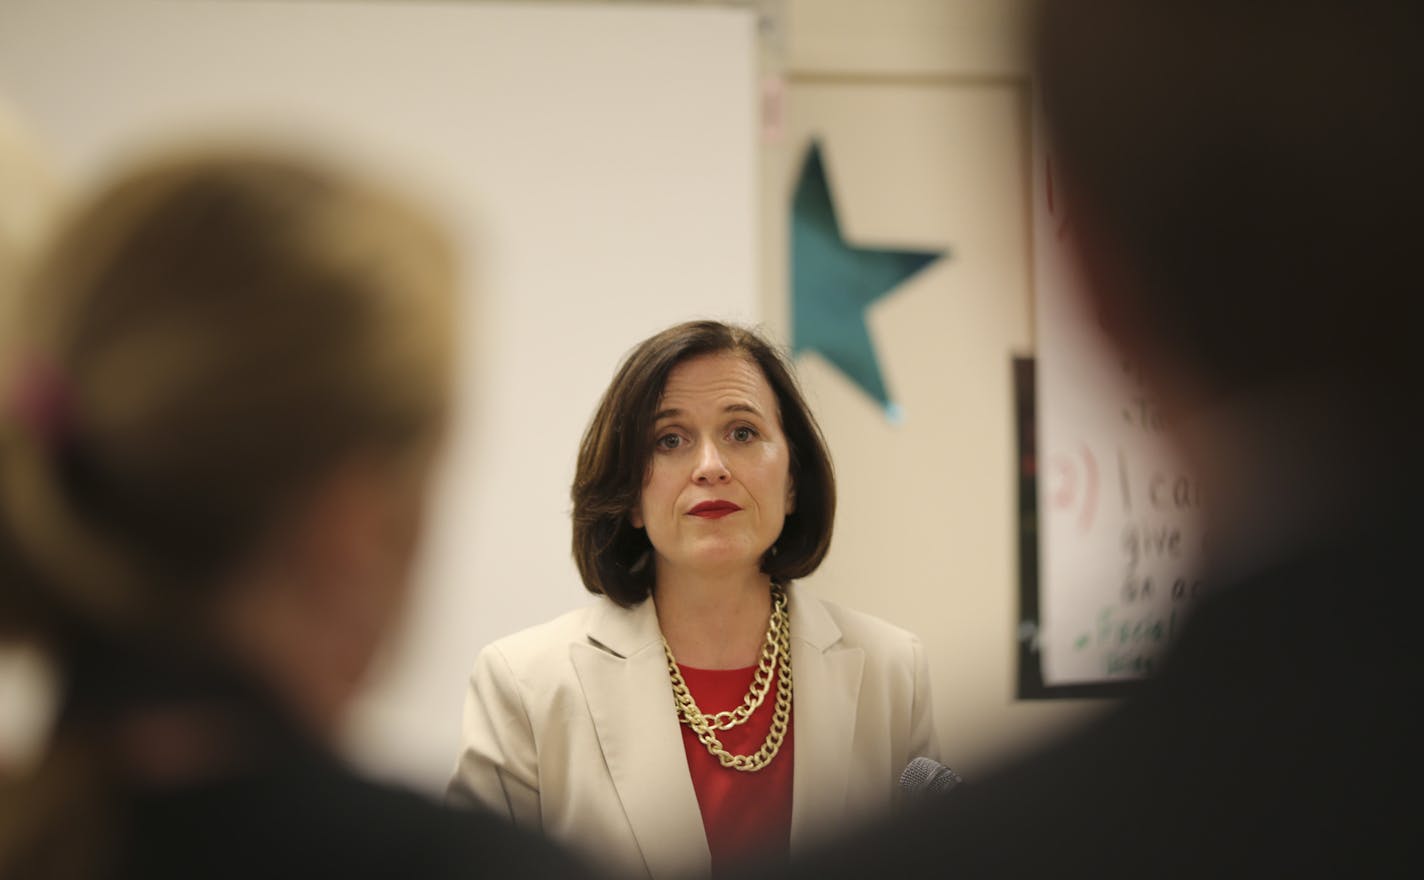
(926, 777)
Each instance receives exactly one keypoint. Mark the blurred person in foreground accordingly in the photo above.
(225, 389)
(658, 729)
(1244, 182)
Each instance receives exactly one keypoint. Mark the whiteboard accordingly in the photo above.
(597, 164)
(1119, 514)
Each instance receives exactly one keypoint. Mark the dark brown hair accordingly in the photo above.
(613, 463)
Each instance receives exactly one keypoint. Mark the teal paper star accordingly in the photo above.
(833, 283)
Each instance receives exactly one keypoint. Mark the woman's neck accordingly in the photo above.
(713, 621)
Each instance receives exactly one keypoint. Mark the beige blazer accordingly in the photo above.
(570, 728)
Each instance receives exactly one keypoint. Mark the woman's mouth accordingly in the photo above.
(713, 509)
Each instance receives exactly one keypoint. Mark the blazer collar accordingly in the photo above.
(625, 631)
(623, 673)
(810, 621)
(828, 675)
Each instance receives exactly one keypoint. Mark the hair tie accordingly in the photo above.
(41, 402)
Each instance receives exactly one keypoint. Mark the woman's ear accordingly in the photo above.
(790, 497)
(635, 517)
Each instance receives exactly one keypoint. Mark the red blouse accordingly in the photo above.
(744, 814)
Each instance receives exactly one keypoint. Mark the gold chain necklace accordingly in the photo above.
(775, 652)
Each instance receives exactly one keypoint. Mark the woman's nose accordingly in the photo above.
(711, 468)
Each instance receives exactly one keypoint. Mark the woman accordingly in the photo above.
(660, 730)
(227, 384)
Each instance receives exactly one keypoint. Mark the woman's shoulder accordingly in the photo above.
(852, 627)
(599, 622)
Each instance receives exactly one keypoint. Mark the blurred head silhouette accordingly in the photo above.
(1244, 179)
(225, 385)
(225, 381)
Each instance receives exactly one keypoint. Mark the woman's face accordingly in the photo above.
(718, 487)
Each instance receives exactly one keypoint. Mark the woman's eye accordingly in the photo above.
(743, 434)
(669, 441)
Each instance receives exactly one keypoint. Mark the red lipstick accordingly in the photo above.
(713, 509)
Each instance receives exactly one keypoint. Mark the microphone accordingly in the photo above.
(925, 778)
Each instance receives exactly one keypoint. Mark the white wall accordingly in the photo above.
(598, 165)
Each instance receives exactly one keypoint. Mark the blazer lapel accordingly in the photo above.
(623, 673)
(827, 680)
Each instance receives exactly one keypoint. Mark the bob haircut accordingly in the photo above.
(612, 555)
